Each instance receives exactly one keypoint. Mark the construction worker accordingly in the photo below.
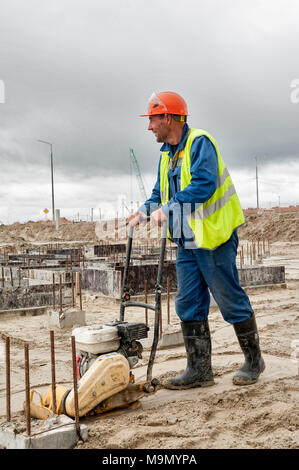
(195, 194)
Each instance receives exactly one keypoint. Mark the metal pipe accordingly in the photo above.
(27, 389)
(53, 371)
(139, 304)
(160, 321)
(2, 276)
(126, 269)
(7, 359)
(75, 386)
(157, 303)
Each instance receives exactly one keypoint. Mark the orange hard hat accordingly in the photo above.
(166, 102)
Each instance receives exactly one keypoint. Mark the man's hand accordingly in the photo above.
(157, 217)
(136, 218)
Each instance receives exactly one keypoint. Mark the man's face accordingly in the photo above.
(159, 125)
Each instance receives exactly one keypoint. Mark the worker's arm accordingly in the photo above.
(204, 173)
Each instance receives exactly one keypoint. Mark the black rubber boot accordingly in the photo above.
(254, 365)
(198, 373)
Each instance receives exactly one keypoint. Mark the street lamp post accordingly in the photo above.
(52, 178)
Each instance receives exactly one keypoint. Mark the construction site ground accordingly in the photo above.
(262, 415)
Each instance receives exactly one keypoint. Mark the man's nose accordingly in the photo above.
(149, 128)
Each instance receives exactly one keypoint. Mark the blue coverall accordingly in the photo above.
(199, 270)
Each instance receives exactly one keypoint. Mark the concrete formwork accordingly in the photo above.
(108, 281)
(31, 296)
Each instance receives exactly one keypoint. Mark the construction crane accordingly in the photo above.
(138, 175)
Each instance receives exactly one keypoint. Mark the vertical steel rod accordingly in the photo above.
(27, 389)
(145, 300)
(53, 375)
(160, 315)
(60, 293)
(120, 284)
(168, 300)
(73, 290)
(53, 278)
(7, 358)
(80, 291)
(11, 276)
(75, 385)
(2, 276)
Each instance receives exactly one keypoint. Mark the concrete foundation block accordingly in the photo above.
(58, 432)
(172, 336)
(67, 319)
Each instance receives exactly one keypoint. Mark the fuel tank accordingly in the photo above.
(108, 375)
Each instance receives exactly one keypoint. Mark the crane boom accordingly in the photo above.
(138, 174)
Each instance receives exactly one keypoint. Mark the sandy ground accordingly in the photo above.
(263, 415)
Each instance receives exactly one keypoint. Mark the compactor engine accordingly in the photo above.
(118, 336)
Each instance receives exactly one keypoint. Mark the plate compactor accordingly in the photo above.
(106, 355)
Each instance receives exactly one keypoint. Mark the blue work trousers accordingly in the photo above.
(199, 271)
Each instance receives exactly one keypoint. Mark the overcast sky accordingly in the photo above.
(78, 73)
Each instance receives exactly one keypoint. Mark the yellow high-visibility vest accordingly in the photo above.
(213, 221)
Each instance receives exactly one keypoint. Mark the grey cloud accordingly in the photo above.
(78, 73)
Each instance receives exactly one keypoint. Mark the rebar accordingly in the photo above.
(2, 276)
(73, 290)
(145, 300)
(120, 284)
(60, 294)
(53, 375)
(53, 288)
(7, 360)
(160, 322)
(27, 389)
(168, 300)
(11, 276)
(75, 386)
(80, 292)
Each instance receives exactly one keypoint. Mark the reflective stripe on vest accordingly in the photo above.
(213, 221)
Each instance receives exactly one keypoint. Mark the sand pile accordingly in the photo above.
(269, 226)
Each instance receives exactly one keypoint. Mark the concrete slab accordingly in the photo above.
(58, 432)
(67, 319)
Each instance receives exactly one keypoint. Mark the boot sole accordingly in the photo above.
(240, 381)
(170, 386)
